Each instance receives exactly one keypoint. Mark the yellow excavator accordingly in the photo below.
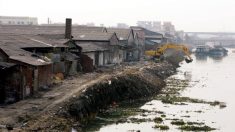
(159, 52)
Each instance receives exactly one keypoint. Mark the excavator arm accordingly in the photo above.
(161, 50)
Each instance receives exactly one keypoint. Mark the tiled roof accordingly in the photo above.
(122, 33)
(97, 36)
(12, 46)
(22, 56)
(32, 29)
(90, 47)
(27, 41)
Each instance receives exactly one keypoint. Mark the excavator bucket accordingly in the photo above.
(188, 60)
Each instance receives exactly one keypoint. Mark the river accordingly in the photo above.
(208, 78)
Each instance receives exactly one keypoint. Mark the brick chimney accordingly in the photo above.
(68, 28)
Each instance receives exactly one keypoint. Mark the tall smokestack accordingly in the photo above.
(68, 28)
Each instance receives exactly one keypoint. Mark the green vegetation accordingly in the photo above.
(117, 115)
(139, 120)
(195, 123)
(176, 100)
(162, 127)
(199, 111)
(178, 123)
(196, 128)
(181, 123)
(186, 116)
(158, 120)
(174, 119)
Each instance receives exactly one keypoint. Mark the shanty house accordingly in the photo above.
(152, 39)
(37, 57)
(139, 36)
(10, 83)
(96, 52)
(34, 72)
(105, 45)
(127, 40)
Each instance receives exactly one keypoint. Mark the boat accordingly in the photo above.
(211, 50)
(218, 50)
(202, 50)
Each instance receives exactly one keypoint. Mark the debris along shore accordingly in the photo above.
(133, 82)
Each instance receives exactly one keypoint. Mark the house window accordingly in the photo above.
(0, 22)
(22, 23)
(18, 23)
(9, 22)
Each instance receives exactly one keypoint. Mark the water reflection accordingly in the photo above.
(210, 78)
(204, 58)
(201, 57)
(217, 58)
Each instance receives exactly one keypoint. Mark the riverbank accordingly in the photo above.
(132, 83)
(197, 98)
(81, 98)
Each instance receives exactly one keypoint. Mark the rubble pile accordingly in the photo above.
(129, 86)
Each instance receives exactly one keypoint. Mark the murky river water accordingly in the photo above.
(208, 79)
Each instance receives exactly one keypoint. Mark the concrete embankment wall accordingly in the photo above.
(141, 83)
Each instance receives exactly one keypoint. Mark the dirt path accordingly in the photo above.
(77, 89)
(50, 101)
(11, 114)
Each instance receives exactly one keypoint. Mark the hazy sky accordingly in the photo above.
(188, 15)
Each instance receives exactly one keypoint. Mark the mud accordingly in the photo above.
(129, 87)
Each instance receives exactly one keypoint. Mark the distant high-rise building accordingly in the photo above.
(180, 34)
(168, 27)
(12, 20)
(122, 25)
(150, 25)
(145, 24)
(157, 26)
